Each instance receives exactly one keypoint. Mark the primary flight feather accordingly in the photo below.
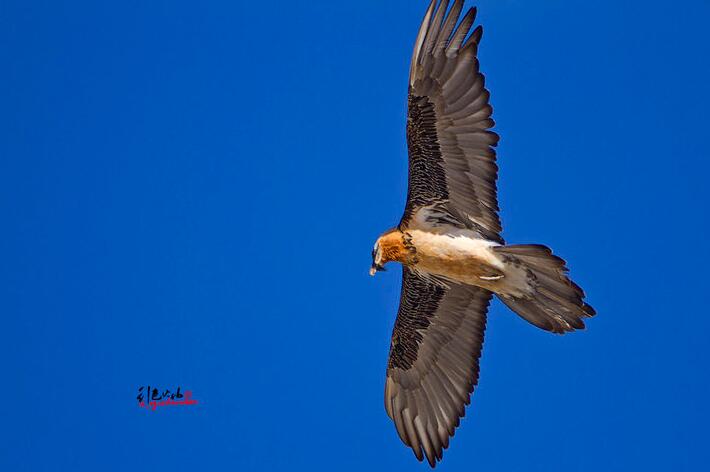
(449, 242)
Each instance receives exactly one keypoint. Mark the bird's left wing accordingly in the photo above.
(433, 362)
(452, 163)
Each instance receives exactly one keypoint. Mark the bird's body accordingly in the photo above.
(458, 255)
(449, 244)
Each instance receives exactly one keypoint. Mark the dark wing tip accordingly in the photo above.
(477, 34)
(588, 310)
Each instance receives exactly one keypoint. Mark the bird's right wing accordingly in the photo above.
(433, 362)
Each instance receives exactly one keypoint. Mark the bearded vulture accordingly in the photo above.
(449, 244)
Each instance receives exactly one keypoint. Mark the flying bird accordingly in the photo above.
(449, 244)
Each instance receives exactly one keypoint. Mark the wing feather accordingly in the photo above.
(452, 161)
(461, 32)
(433, 364)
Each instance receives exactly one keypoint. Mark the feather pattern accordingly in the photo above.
(433, 365)
(452, 160)
(438, 334)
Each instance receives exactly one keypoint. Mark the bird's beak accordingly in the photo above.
(373, 270)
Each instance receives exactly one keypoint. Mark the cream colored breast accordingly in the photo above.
(456, 255)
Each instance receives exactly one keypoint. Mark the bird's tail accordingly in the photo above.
(544, 295)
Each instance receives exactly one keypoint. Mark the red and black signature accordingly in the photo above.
(151, 397)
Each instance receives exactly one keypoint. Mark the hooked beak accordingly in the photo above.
(375, 269)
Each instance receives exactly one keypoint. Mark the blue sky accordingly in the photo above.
(189, 195)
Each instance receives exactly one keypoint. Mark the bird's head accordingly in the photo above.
(389, 247)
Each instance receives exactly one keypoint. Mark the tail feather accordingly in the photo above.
(550, 300)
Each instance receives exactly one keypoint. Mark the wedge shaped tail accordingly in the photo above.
(551, 301)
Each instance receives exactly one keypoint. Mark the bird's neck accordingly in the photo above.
(395, 248)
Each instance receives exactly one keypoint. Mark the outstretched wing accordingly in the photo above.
(451, 156)
(433, 362)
